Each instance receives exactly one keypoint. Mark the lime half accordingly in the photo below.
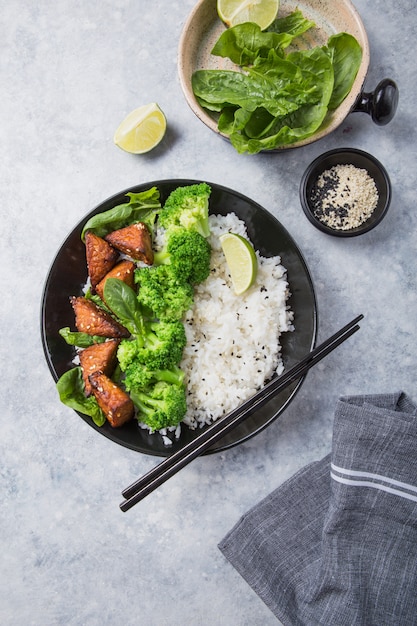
(141, 130)
(241, 261)
(261, 12)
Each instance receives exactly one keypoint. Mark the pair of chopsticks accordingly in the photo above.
(218, 429)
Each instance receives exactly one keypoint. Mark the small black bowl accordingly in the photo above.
(359, 159)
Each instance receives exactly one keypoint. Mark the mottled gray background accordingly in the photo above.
(70, 71)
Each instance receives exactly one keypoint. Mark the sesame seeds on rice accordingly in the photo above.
(233, 342)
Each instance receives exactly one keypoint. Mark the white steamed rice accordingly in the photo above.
(233, 342)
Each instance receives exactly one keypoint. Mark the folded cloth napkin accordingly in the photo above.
(336, 545)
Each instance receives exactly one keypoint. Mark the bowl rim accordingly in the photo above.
(367, 225)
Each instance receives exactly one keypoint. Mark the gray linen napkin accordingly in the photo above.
(336, 544)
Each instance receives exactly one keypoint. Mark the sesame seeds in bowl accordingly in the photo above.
(345, 192)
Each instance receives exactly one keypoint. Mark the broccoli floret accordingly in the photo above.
(187, 207)
(138, 376)
(163, 292)
(160, 346)
(126, 352)
(188, 253)
(160, 405)
(164, 344)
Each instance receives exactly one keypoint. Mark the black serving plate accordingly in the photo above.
(68, 275)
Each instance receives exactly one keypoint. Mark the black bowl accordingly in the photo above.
(359, 159)
(68, 275)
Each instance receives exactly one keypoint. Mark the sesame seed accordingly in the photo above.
(344, 197)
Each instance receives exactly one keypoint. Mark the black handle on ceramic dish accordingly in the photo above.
(381, 104)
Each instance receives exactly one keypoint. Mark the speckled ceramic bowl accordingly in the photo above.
(203, 27)
(359, 159)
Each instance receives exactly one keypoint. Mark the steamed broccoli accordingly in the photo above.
(138, 376)
(150, 356)
(160, 405)
(187, 207)
(163, 292)
(160, 346)
(127, 352)
(188, 253)
(151, 360)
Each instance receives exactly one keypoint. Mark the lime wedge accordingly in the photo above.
(241, 261)
(261, 12)
(141, 130)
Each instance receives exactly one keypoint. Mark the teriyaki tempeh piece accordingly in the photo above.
(100, 357)
(134, 240)
(101, 257)
(123, 271)
(113, 401)
(91, 319)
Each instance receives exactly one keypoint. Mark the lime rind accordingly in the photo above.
(241, 260)
(261, 12)
(142, 130)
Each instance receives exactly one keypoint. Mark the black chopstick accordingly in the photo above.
(172, 464)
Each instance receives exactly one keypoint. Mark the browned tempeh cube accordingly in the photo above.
(91, 319)
(100, 357)
(123, 271)
(134, 240)
(115, 403)
(101, 257)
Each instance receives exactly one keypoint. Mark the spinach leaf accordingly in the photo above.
(248, 91)
(293, 25)
(244, 43)
(233, 119)
(141, 207)
(71, 392)
(346, 55)
(81, 340)
(123, 302)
